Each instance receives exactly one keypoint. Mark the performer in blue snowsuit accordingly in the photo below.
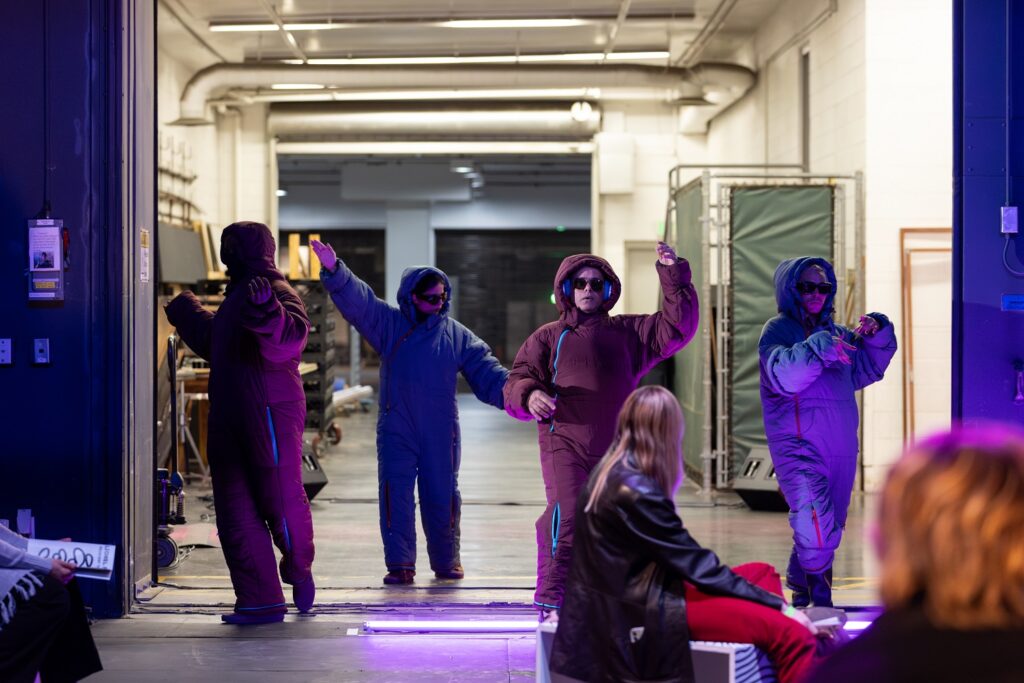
(422, 351)
(810, 369)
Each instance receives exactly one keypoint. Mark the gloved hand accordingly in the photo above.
(325, 253)
(259, 290)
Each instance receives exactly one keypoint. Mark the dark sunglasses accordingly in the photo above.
(596, 283)
(811, 287)
(432, 299)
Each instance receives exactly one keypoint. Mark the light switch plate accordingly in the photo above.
(5, 351)
(41, 351)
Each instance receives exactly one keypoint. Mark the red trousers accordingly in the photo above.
(789, 645)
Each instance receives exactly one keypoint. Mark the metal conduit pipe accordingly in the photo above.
(723, 85)
(698, 85)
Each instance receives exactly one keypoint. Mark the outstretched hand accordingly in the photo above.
(868, 326)
(324, 252)
(843, 349)
(666, 254)
(259, 290)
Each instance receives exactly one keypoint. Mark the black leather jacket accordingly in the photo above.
(624, 617)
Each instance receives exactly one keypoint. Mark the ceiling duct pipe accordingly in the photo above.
(562, 121)
(685, 86)
(722, 86)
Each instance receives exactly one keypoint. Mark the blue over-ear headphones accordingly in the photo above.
(567, 289)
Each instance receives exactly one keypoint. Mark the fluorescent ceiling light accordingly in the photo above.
(299, 26)
(282, 193)
(485, 59)
(297, 86)
(241, 28)
(318, 26)
(512, 23)
(438, 147)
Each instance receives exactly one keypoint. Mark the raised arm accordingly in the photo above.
(875, 348)
(374, 318)
(193, 322)
(486, 376)
(663, 333)
(529, 373)
(652, 521)
(275, 314)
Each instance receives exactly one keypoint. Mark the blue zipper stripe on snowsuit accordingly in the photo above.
(277, 457)
(554, 363)
(556, 519)
(273, 436)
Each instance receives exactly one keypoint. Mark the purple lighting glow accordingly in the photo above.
(490, 626)
(452, 626)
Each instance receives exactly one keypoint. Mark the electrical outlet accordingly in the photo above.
(41, 351)
(5, 351)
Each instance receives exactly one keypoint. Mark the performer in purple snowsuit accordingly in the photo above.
(422, 352)
(573, 376)
(810, 369)
(257, 413)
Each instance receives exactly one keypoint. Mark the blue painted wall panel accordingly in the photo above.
(61, 447)
(986, 340)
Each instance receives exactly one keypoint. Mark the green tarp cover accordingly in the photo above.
(768, 225)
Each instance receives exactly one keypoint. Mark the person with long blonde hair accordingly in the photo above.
(950, 538)
(640, 587)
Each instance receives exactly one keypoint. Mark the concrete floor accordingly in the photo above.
(176, 633)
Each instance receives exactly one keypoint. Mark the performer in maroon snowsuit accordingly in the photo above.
(573, 376)
(257, 413)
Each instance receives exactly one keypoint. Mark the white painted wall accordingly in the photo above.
(201, 141)
(235, 173)
(909, 170)
(638, 215)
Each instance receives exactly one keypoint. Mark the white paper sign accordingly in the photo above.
(94, 561)
(44, 248)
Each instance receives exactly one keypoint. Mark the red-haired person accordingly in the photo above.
(950, 538)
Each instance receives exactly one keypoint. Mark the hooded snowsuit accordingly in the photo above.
(418, 424)
(257, 413)
(810, 418)
(590, 363)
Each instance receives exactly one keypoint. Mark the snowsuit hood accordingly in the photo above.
(248, 250)
(570, 264)
(411, 277)
(786, 296)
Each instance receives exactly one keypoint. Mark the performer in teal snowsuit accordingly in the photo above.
(810, 369)
(422, 351)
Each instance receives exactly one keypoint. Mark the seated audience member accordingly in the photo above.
(950, 538)
(627, 614)
(43, 626)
